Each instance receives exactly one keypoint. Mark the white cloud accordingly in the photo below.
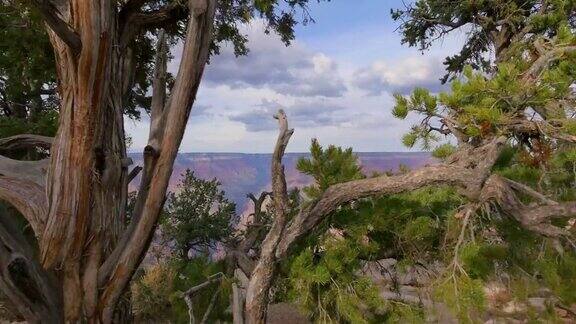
(401, 75)
(293, 70)
(324, 97)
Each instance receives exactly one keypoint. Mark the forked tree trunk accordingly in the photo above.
(79, 224)
(263, 274)
(87, 175)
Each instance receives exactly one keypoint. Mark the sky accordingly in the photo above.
(335, 82)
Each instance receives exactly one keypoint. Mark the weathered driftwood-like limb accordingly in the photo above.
(158, 95)
(258, 204)
(254, 229)
(210, 306)
(217, 277)
(151, 153)
(242, 260)
(34, 171)
(189, 294)
(241, 278)
(24, 141)
(536, 218)
(194, 58)
(261, 278)
(31, 289)
(53, 19)
(529, 191)
(28, 198)
(466, 170)
(190, 305)
(237, 305)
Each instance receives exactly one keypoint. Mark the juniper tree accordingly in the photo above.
(75, 202)
(518, 227)
(525, 100)
(198, 216)
(27, 86)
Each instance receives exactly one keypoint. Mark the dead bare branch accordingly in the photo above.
(134, 173)
(158, 95)
(217, 277)
(542, 62)
(23, 141)
(29, 198)
(53, 19)
(261, 279)
(189, 294)
(534, 218)
(194, 57)
(529, 191)
(34, 171)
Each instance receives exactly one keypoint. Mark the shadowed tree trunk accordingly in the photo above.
(85, 251)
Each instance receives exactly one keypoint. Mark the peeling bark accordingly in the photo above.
(176, 112)
(77, 210)
(263, 274)
(31, 289)
(189, 294)
(28, 198)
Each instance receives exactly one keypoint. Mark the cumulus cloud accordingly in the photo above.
(401, 76)
(292, 70)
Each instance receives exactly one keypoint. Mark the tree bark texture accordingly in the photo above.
(76, 201)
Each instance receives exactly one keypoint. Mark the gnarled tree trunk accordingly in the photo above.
(77, 212)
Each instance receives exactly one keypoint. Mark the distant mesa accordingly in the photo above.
(242, 173)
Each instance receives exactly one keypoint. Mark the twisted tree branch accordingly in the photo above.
(261, 279)
(466, 170)
(22, 141)
(28, 198)
(536, 218)
(177, 110)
